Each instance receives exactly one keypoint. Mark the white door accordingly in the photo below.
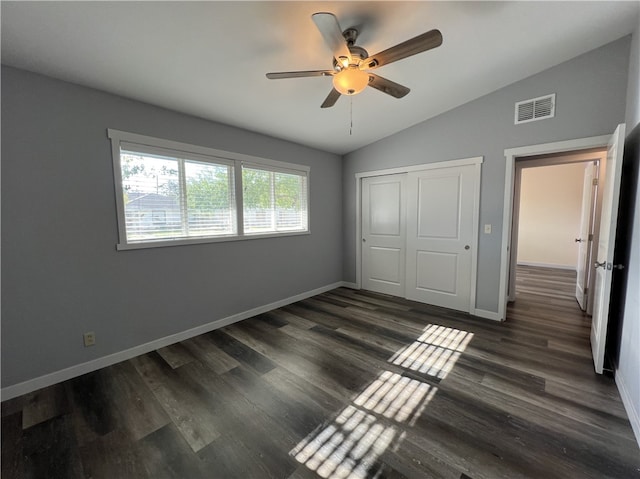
(606, 243)
(585, 237)
(441, 236)
(384, 234)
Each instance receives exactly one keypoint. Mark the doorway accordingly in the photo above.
(604, 265)
(556, 222)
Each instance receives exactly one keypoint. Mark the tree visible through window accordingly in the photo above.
(203, 207)
(210, 205)
(274, 201)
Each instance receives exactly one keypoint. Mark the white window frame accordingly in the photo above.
(159, 146)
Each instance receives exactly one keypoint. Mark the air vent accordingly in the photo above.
(535, 109)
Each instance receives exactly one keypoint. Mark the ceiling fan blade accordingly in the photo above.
(331, 99)
(387, 86)
(310, 73)
(421, 43)
(329, 27)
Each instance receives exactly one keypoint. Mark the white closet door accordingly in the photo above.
(440, 236)
(384, 234)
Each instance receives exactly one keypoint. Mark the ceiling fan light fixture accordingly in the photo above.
(350, 60)
(350, 81)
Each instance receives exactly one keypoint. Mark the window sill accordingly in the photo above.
(219, 239)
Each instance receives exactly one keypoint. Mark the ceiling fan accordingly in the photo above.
(350, 61)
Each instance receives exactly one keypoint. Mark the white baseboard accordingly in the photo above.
(50, 379)
(571, 267)
(487, 314)
(632, 412)
(346, 284)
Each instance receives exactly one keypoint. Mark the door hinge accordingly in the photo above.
(595, 182)
(591, 237)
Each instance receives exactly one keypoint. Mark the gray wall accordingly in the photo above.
(628, 371)
(61, 273)
(590, 101)
(633, 83)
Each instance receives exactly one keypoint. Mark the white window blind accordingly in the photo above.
(170, 198)
(274, 201)
(210, 199)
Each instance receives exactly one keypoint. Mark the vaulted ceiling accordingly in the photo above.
(209, 59)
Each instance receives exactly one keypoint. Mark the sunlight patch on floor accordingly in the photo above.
(353, 442)
(395, 397)
(346, 448)
(351, 446)
(435, 352)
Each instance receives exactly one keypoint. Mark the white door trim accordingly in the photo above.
(477, 160)
(476, 239)
(510, 155)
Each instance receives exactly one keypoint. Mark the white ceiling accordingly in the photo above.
(208, 59)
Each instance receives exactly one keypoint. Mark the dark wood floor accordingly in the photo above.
(348, 384)
(547, 282)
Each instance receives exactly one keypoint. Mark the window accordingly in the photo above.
(273, 200)
(171, 193)
(166, 197)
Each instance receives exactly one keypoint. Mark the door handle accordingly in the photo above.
(578, 240)
(467, 246)
(599, 265)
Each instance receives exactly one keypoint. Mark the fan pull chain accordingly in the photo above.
(350, 115)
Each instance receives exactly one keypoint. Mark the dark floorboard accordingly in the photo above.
(347, 384)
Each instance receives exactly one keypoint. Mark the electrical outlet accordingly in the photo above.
(487, 229)
(89, 338)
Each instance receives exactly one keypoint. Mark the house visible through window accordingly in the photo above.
(171, 198)
(172, 193)
(159, 217)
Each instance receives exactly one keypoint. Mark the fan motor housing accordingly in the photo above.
(357, 55)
